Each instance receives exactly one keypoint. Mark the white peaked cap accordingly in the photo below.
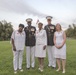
(49, 17)
(28, 20)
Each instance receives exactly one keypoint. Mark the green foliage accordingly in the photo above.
(6, 30)
(71, 31)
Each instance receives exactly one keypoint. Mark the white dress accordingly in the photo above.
(41, 41)
(60, 53)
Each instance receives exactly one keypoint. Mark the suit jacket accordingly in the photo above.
(50, 29)
(30, 36)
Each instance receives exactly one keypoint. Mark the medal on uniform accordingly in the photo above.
(51, 27)
(32, 30)
(49, 33)
(51, 30)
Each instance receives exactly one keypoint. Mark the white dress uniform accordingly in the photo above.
(50, 29)
(19, 41)
(60, 53)
(30, 46)
(41, 41)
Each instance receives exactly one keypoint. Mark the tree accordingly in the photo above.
(71, 31)
(6, 30)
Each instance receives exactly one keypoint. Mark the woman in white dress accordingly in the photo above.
(41, 42)
(60, 47)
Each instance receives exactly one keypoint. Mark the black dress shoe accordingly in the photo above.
(32, 67)
(27, 68)
(54, 67)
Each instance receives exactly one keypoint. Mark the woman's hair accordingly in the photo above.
(21, 25)
(40, 23)
(59, 25)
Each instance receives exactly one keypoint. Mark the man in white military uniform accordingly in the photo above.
(18, 43)
(30, 44)
(50, 29)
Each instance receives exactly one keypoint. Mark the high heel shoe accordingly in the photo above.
(63, 71)
(58, 70)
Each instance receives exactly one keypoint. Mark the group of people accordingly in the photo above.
(50, 39)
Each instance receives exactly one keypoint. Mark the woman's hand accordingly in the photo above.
(44, 47)
(58, 46)
(14, 48)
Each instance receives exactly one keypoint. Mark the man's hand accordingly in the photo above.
(44, 47)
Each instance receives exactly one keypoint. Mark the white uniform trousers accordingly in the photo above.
(17, 59)
(30, 56)
(51, 58)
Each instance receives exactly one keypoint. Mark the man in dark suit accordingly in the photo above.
(50, 29)
(30, 43)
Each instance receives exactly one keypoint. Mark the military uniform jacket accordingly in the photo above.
(50, 29)
(30, 36)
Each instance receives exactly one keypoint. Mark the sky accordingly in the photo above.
(17, 11)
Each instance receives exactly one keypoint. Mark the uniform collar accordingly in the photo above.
(29, 26)
(49, 24)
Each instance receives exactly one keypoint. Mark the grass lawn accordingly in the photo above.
(6, 65)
